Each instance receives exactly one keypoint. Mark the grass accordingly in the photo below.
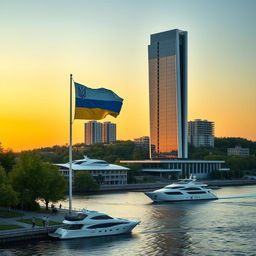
(8, 227)
(39, 222)
(11, 214)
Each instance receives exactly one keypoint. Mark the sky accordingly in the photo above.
(103, 43)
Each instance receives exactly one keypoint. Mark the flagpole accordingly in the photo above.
(70, 148)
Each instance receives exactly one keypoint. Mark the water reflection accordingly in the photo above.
(97, 244)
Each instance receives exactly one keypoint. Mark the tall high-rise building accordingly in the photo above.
(167, 54)
(108, 132)
(201, 133)
(92, 132)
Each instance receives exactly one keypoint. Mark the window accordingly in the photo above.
(106, 225)
(192, 189)
(173, 193)
(173, 187)
(73, 226)
(100, 162)
(101, 217)
(197, 192)
(80, 162)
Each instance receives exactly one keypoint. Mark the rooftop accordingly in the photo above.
(91, 164)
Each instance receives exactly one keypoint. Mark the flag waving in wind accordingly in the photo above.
(95, 104)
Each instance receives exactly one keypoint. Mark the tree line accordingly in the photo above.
(27, 179)
(238, 165)
(111, 153)
(30, 176)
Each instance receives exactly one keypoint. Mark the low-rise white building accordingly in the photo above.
(177, 168)
(238, 151)
(108, 173)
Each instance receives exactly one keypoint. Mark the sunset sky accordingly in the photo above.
(103, 43)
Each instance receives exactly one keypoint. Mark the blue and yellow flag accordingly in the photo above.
(95, 104)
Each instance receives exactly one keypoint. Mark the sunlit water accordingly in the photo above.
(224, 227)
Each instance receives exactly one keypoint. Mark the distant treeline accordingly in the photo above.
(239, 166)
(126, 150)
(220, 147)
(112, 153)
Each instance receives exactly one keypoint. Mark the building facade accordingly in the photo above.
(108, 174)
(167, 56)
(173, 169)
(108, 132)
(201, 133)
(92, 132)
(238, 151)
(142, 142)
(96, 132)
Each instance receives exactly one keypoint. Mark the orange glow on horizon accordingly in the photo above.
(42, 42)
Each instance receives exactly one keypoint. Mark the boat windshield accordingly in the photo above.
(74, 217)
(173, 187)
(101, 217)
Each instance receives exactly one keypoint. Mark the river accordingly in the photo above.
(224, 227)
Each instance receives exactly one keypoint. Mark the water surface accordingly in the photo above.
(224, 227)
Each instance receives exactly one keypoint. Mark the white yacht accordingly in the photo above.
(92, 224)
(183, 190)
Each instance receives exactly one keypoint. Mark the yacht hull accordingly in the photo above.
(61, 233)
(161, 197)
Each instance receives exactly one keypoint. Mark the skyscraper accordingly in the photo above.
(201, 133)
(95, 132)
(167, 54)
(108, 132)
(92, 132)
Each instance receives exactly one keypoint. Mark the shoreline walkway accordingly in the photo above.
(28, 232)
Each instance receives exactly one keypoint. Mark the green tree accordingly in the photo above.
(140, 153)
(84, 182)
(133, 172)
(8, 197)
(99, 179)
(7, 159)
(26, 178)
(54, 185)
(35, 179)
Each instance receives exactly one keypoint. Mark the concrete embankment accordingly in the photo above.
(229, 182)
(26, 231)
(25, 234)
(132, 187)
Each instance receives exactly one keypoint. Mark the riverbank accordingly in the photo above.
(24, 230)
(27, 232)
